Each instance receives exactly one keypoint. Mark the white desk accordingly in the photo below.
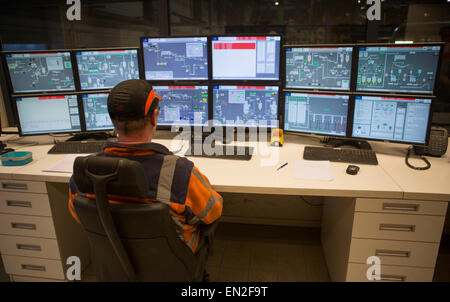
(432, 184)
(247, 176)
(346, 199)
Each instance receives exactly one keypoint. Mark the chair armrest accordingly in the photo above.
(207, 236)
(208, 229)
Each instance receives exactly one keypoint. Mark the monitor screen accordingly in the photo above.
(327, 68)
(48, 114)
(96, 111)
(19, 46)
(246, 58)
(248, 106)
(175, 58)
(323, 114)
(104, 69)
(182, 105)
(395, 119)
(40, 72)
(408, 69)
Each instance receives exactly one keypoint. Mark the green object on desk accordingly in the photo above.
(18, 158)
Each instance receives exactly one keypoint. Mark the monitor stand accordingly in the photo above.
(91, 136)
(4, 150)
(196, 142)
(338, 142)
(199, 138)
(165, 134)
(224, 139)
(228, 136)
(235, 136)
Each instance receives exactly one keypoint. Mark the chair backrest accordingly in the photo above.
(132, 242)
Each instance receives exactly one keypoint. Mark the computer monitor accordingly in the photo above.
(23, 46)
(321, 68)
(245, 106)
(404, 120)
(96, 116)
(175, 58)
(48, 114)
(246, 58)
(182, 105)
(104, 69)
(322, 114)
(40, 71)
(405, 69)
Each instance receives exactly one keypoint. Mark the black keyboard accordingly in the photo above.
(86, 147)
(233, 152)
(354, 156)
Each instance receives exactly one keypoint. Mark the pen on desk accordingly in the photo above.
(282, 166)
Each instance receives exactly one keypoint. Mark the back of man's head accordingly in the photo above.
(131, 105)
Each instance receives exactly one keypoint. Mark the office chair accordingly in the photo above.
(132, 242)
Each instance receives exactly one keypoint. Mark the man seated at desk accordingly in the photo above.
(134, 109)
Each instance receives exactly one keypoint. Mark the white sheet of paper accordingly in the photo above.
(65, 165)
(313, 170)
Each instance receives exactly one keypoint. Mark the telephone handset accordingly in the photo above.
(437, 145)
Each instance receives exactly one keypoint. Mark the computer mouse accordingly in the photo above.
(352, 169)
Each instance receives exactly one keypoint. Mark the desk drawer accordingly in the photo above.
(23, 186)
(25, 204)
(400, 206)
(22, 225)
(29, 247)
(398, 227)
(16, 278)
(357, 273)
(406, 253)
(35, 267)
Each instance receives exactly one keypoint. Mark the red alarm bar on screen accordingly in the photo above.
(234, 45)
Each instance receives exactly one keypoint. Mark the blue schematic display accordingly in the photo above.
(175, 58)
(316, 113)
(394, 119)
(408, 69)
(248, 106)
(106, 68)
(96, 111)
(182, 105)
(319, 67)
(40, 72)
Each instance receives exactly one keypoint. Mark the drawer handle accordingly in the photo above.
(24, 226)
(397, 227)
(14, 186)
(392, 253)
(33, 267)
(401, 207)
(392, 278)
(16, 203)
(28, 247)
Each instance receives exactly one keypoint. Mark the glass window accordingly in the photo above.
(37, 25)
(28, 25)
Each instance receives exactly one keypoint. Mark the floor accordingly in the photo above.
(261, 253)
(442, 270)
(267, 253)
(3, 276)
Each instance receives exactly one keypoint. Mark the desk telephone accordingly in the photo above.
(437, 145)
